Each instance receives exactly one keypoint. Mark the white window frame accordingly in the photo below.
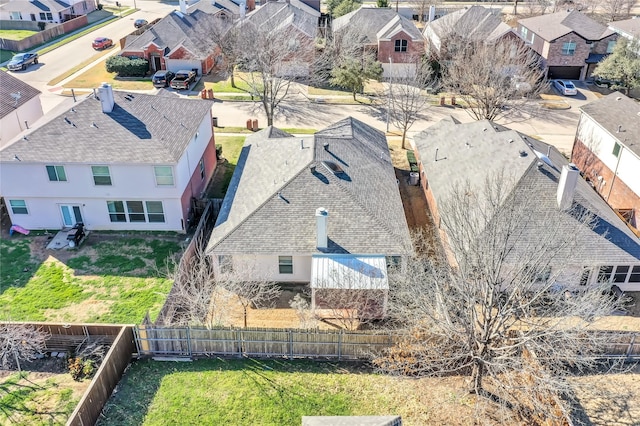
(285, 262)
(13, 208)
(127, 210)
(610, 46)
(401, 45)
(612, 275)
(569, 48)
(56, 170)
(93, 175)
(159, 177)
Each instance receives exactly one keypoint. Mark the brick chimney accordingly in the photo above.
(567, 186)
(322, 216)
(106, 97)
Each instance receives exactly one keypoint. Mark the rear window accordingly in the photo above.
(570, 85)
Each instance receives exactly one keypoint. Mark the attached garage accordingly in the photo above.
(176, 65)
(564, 73)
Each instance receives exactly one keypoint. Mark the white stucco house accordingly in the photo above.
(20, 107)
(322, 210)
(116, 161)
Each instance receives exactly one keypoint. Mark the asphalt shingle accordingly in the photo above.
(555, 25)
(10, 85)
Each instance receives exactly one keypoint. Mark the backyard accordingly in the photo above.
(111, 278)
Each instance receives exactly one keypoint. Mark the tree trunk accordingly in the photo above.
(404, 136)
(476, 377)
(245, 316)
(354, 95)
(233, 80)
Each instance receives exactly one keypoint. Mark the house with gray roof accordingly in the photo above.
(224, 9)
(114, 161)
(20, 107)
(308, 209)
(607, 151)
(453, 154)
(176, 42)
(54, 11)
(476, 23)
(629, 28)
(398, 43)
(570, 44)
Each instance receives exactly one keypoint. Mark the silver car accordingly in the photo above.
(565, 87)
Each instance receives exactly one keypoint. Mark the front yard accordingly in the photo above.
(111, 278)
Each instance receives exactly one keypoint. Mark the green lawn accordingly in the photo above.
(16, 34)
(5, 55)
(256, 392)
(231, 147)
(34, 399)
(115, 280)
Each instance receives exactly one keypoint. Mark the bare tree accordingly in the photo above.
(20, 342)
(407, 97)
(495, 79)
(614, 10)
(303, 310)
(273, 55)
(224, 34)
(493, 308)
(195, 297)
(250, 286)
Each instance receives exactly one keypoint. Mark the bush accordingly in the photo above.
(126, 67)
(100, 6)
(42, 25)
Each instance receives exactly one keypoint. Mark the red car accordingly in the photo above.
(102, 43)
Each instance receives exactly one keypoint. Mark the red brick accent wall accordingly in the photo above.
(197, 184)
(386, 50)
(556, 58)
(620, 196)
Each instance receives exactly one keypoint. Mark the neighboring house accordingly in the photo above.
(398, 43)
(20, 107)
(570, 44)
(322, 209)
(300, 24)
(453, 154)
(56, 11)
(178, 42)
(225, 9)
(475, 23)
(607, 151)
(120, 162)
(629, 28)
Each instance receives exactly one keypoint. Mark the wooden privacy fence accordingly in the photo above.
(192, 342)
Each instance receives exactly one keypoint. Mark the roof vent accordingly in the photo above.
(523, 153)
(16, 158)
(301, 143)
(543, 157)
(312, 168)
(326, 146)
(93, 124)
(619, 98)
(484, 129)
(510, 140)
(619, 129)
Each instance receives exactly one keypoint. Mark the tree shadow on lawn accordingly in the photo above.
(140, 387)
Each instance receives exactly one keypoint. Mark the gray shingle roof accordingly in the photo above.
(278, 13)
(476, 22)
(271, 202)
(29, 6)
(177, 29)
(555, 25)
(475, 151)
(628, 26)
(616, 110)
(370, 21)
(145, 129)
(8, 85)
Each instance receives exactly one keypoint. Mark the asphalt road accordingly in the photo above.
(60, 60)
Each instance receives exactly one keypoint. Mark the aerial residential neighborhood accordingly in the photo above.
(299, 212)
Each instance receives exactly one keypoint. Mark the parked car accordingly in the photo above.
(139, 23)
(102, 43)
(565, 87)
(183, 79)
(21, 61)
(162, 78)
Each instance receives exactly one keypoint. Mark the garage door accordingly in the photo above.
(176, 65)
(564, 73)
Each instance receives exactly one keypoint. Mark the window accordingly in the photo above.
(524, 32)
(16, 15)
(634, 277)
(569, 48)
(155, 213)
(201, 165)
(401, 45)
(101, 175)
(226, 264)
(18, 206)
(164, 175)
(56, 174)
(610, 46)
(620, 275)
(604, 274)
(584, 278)
(285, 264)
(135, 211)
(116, 211)
(616, 149)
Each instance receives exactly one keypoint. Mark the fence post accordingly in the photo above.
(340, 345)
(239, 337)
(189, 341)
(290, 344)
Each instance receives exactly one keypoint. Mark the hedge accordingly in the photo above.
(126, 67)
